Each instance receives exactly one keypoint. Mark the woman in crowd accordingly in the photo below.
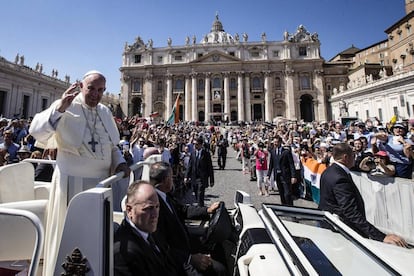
(398, 148)
(261, 169)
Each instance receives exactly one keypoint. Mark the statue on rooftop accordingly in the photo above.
(237, 37)
(286, 36)
(263, 37)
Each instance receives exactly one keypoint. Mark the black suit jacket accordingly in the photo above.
(222, 146)
(172, 231)
(339, 195)
(134, 256)
(205, 168)
(285, 161)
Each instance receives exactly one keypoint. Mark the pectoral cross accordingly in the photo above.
(93, 143)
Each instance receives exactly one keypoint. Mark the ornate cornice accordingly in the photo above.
(267, 73)
(193, 74)
(148, 77)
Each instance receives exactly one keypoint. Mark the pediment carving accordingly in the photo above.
(302, 35)
(137, 45)
(216, 56)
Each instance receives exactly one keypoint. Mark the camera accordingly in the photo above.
(370, 162)
(261, 160)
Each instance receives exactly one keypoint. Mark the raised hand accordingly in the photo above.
(68, 96)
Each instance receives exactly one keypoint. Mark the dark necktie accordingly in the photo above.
(170, 204)
(198, 155)
(278, 151)
(152, 243)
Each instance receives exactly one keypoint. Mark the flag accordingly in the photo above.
(392, 122)
(174, 117)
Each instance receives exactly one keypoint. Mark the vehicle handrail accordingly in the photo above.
(34, 264)
(40, 161)
(107, 182)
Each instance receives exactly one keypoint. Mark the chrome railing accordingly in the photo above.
(34, 265)
(40, 161)
(106, 183)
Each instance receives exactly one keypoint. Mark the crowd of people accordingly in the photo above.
(380, 149)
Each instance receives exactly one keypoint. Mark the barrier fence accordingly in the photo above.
(389, 201)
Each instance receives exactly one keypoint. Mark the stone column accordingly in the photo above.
(248, 107)
(290, 95)
(187, 100)
(226, 96)
(194, 110)
(240, 97)
(169, 97)
(148, 96)
(320, 107)
(126, 94)
(268, 97)
(207, 98)
(315, 109)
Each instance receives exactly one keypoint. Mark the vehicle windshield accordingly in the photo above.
(312, 240)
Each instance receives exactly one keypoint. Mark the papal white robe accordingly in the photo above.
(77, 167)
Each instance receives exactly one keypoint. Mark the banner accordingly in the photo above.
(174, 117)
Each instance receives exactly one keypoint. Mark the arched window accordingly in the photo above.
(216, 83)
(137, 86)
(179, 85)
(200, 84)
(256, 83)
(277, 83)
(233, 84)
(305, 82)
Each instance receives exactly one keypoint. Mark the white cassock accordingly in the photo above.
(86, 139)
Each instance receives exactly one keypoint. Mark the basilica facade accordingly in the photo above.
(224, 77)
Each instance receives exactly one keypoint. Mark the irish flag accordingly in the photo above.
(174, 117)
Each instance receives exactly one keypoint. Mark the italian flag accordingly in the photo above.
(174, 117)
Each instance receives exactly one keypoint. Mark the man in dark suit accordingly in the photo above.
(222, 146)
(200, 170)
(339, 195)
(171, 228)
(283, 168)
(136, 252)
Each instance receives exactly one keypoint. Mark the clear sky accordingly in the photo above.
(75, 36)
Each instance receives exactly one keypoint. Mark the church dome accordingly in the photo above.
(217, 34)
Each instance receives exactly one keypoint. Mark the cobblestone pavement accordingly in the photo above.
(230, 179)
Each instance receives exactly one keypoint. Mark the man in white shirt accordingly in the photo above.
(85, 134)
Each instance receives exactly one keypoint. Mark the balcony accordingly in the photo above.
(136, 93)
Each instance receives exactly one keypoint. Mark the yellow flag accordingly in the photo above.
(392, 122)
